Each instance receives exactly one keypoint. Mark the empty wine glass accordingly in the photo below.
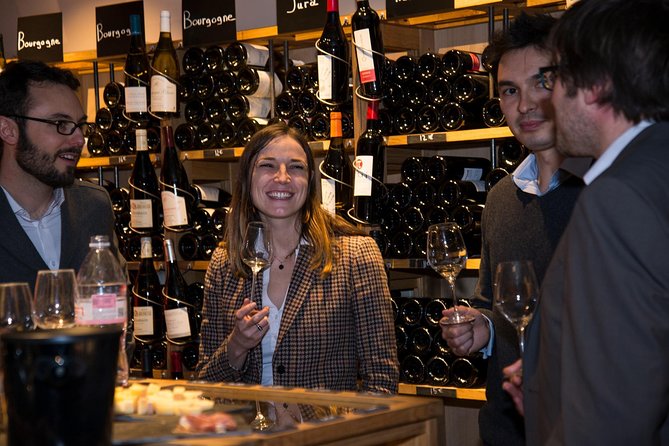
(15, 315)
(257, 254)
(516, 293)
(447, 255)
(55, 294)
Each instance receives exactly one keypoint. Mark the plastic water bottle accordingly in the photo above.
(102, 295)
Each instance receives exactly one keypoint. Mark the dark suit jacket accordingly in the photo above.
(597, 360)
(332, 331)
(85, 212)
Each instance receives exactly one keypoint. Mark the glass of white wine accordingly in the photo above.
(55, 294)
(447, 255)
(257, 254)
(516, 294)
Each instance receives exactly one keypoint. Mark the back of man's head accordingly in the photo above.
(621, 46)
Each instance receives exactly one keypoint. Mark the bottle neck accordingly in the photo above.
(333, 6)
(335, 125)
(147, 251)
(164, 23)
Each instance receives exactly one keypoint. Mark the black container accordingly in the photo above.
(59, 385)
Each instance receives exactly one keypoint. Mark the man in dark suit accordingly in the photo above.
(524, 215)
(47, 217)
(596, 368)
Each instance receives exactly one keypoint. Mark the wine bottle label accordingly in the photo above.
(265, 86)
(176, 321)
(328, 198)
(259, 107)
(135, 99)
(143, 321)
(141, 213)
(163, 95)
(101, 309)
(362, 186)
(363, 51)
(325, 76)
(471, 174)
(256, 54)
(174, 209)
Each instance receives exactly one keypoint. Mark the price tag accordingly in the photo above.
(112, 27)
(206, 22)
(40, 37)
(300, 15)
(213, 153)
(118, 160)
(407, 8)
(425, 138)
(436, 391)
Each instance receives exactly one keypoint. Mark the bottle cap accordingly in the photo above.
(99, 241)
(141, 142)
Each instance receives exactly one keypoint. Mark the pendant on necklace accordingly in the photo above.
(280, 265)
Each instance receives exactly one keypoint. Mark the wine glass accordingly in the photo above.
(55, 294)
(15, 315)
(447, 255)
(516, 293)
(257, 254)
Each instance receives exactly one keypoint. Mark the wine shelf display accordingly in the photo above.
(424, 356)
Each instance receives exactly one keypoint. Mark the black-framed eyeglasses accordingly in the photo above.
(64, 127)
(548, 76)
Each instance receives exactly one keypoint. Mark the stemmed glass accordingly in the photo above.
(447, 255)
(257, 254)
(55, 294)
(516, 293)
(15, 315)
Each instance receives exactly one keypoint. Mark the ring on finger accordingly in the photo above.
(259, 327)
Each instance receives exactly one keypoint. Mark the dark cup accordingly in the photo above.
(59, 385)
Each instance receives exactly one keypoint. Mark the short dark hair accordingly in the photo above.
(623, 47)
(16, 79)
(526, 30)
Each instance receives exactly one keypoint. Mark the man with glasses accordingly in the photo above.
(596, 366)
(47, 217)
(524, 215)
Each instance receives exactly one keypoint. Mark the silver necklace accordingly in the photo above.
(281, 265)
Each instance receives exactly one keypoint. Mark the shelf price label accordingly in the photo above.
(205, 22)
(118, 160)
(408, 8)
(426, 137)
(300, 15)
(213, 153)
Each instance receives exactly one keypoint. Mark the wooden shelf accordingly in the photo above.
(419, 264)
(112, 161)
(475, 394)
(449, 137)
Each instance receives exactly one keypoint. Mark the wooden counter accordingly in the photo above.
(360, 420)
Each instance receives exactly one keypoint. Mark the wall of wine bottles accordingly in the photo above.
(424, 356)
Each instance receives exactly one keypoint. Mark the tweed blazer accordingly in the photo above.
(86, 212)
(596, 364)
(333, 331)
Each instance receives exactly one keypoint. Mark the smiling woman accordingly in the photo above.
(324, 305)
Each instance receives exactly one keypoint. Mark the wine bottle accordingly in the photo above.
(180, 312)
(144, 190)
(214, 59)
(307, 104)
(402, 339)
(391, 222)
(211, 196)
(439, 92)
(427, 119)
(404, 121)
(411, 312)
(468, 371)
(114, 142)
(436, 214)
(333, 58)
(369, 188)
(214, 110)
(284, 105)
(226, 84)
(437, 371)
(95, 143)
(296, 78)
(246, 128)
(189, 356)
(165, 73)
(194, 111)
(368, 42)
(494, 177)
(205, 136)
(176, 196)
(404, 69)
(433, 312)
(454, 116)
(336, 172)
(119, 197)
(412, 370)
(416, 93)
(492, 113)
(511, 153)
(467, 168)
(189, 247)
(470, 88)
(240, 54)
(186, 90)
(104, 119)
(176, 365)
(320, 126)
(226, 134)
(113, 95)
(420, 341)
(424, 194)
(240, 106)
(412, 170)
(429, 67)
(455, 63)
(137, 74)
(204, 87)
(193, 61)
(147, 304)
(257, 83)
(218, 219)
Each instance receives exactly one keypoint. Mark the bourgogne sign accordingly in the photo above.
(40, 37)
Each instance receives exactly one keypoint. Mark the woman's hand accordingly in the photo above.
(251, 325)
(470, 337)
